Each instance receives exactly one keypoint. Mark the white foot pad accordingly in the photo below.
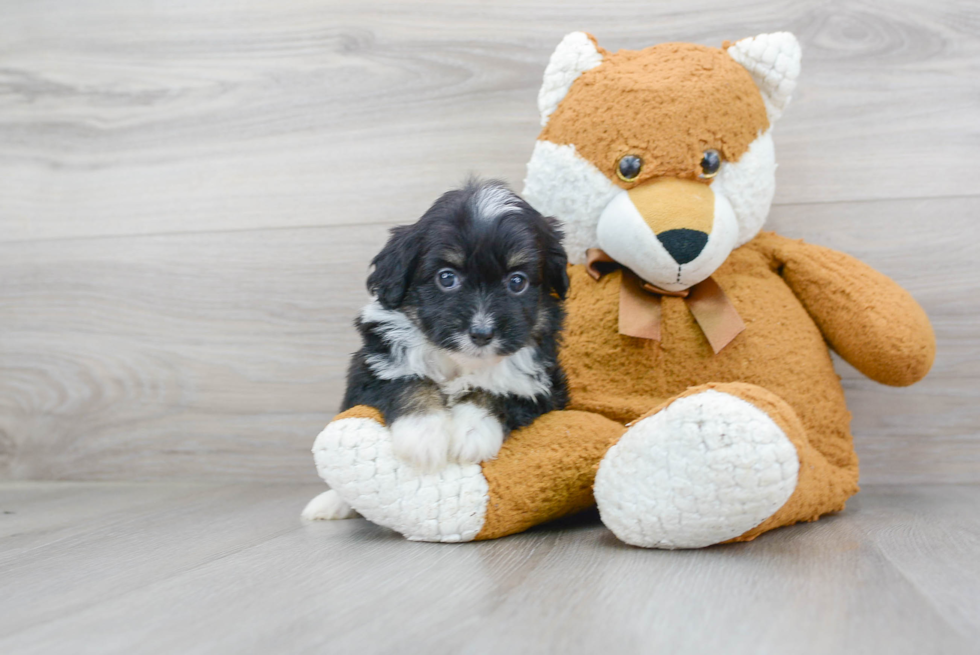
(355, 457)
(706, 469)
(328, 506)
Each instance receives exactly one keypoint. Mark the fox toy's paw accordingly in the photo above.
(355, 455)
(705, 469)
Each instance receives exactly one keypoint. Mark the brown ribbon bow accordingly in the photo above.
(639, 304)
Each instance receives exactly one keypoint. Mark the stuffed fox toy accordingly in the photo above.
(704, 403)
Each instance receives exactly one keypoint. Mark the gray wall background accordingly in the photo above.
(190, 194)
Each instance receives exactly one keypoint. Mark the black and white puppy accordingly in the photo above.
(460, 343)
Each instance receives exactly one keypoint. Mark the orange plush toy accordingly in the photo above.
(705, 407)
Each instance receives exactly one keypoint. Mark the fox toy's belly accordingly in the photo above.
(780, 349)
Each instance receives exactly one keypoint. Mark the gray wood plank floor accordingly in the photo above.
(182, 568)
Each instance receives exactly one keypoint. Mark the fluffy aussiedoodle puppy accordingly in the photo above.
(460, 343)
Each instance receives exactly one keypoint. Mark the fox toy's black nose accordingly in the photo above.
(683, 245)
(481, 334)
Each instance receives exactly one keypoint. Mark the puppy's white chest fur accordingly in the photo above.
(412, 355)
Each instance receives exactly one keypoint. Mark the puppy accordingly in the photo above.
(460, 343)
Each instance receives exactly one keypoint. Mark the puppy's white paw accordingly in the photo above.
(477, 434)
(326, 507)
(422, 440)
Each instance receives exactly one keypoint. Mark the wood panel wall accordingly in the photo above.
(190, 194)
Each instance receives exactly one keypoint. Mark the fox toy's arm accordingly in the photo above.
(873, 323)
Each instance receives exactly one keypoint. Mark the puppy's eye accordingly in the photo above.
(710, 163)
(628, 168)
(517, 283)
(447, 279)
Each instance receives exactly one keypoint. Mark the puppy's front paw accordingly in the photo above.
(477, 434)
(422, 440)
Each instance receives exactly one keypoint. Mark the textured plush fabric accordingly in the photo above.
(780, 363)
(543, 472)
(821, 486)
(354, 456)
(781, 349)
(703, 469)
(546, 471)
(576, 54)
(869, 320)
(660, 91)
(360, 411)
(773, 60)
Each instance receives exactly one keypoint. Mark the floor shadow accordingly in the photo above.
(585, 519)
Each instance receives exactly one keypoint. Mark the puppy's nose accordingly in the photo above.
(481, 334)
(683, 245)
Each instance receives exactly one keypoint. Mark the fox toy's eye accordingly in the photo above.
(710, 163)
(628, 168)
(447, 279)
(517, 283)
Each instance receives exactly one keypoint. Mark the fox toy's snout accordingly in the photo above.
(672, 232)
(680, 213)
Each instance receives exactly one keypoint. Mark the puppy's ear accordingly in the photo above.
(555, 259)
(394, 266)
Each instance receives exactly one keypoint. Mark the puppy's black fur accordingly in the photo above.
(456, 276)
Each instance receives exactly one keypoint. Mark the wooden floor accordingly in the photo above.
(182, 568)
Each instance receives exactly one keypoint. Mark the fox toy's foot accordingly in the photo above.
(721, 462)
(356, 458)
(705, 469)
(543, 471)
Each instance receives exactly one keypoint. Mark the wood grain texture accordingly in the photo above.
(231, 569)
(219, 356)
(131, 117)
(190, 195)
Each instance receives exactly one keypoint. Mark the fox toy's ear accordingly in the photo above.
(773, 60)
(394, 266)
(576, 54)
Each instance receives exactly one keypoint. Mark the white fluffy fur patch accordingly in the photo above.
(574, 55)
(456, 374)
(477, 434)
(355, 457)
(563, 184)
(773, 61)
(423, 440)
(466, 433)
(328, 506)
(493, 201)
(706, 469)
(749, 185)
